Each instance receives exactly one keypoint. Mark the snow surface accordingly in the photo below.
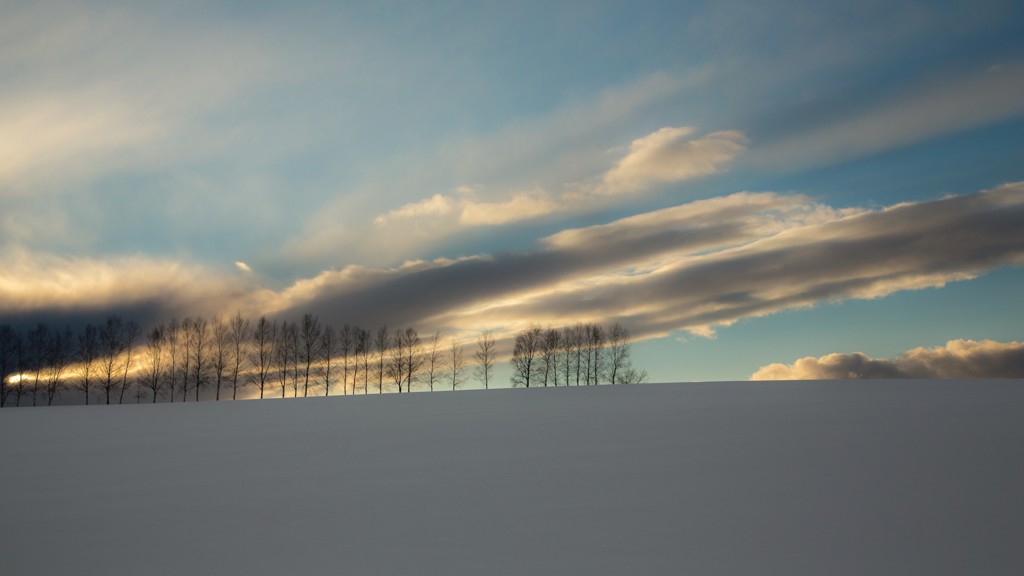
(765, 478)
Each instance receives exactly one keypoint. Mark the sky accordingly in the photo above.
(772, 189)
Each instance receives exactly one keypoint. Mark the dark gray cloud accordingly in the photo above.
(958, 359)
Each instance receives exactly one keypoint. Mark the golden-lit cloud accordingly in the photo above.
(522, 206)
(957, 359)
(693, 267)
(697, 266)
(666, 155)
(670, 155)
(436, 205)
(43, 285)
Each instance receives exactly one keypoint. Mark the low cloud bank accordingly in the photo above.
(958, 359)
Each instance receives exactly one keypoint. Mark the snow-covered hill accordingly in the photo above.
(765, 478)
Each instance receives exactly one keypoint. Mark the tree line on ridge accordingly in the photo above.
(116, 362)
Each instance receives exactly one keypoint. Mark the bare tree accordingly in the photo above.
(261, 354)
(21, 361)
(550, 342)
(525, 350)
(618, 352)
(595, 349)
(355, 358)
(111, 345)
(201, 345)
(240, 332)
(346, 341)
(309, 347)
(221, 353)
(58, 356)
(485, 356)
(283, 354)
(186, 345)
(396, 360)
(86, 352)
(364, 342)
(413, 357)
(152, 374)
(328, 348)
(130, 334)
(293, 352)
(8, 346)
(434, 363)
(633, 376)
(37, 340)
(172, 336)
(381, 343)
(578, 338)
(566, 355)
(456, 363)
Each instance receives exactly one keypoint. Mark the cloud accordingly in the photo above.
(95, 91)
(693, 267)
(522, 206)
(930, 108)
(958, 359)
(436, 205)
(38, 287)
(243, 266)
(568, 143)
(462, 208)
(667, 155)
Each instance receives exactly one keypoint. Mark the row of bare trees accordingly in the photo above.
(182, 359)
(39, 364)
(586, 354)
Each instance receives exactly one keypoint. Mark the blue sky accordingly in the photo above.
(740, 184)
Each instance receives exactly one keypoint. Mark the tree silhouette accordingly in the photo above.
(200, 350)
(131, 333)
(434, 362)
(261, 356)
(283, 354)
(309, 347)
(152, 374)
(59, 353)
(86, 354)
(364, 341)
(111, 337)
(221, 353)
(8, 346)
(456, 363)
(37, 340)
(485, 355)
(172, 336)
(618, 353)
(328, 348)
(381, 346)
(240, 332)
(595, 353)
(525, 349)
(550, 341)
(346, 341)
(412, 356)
